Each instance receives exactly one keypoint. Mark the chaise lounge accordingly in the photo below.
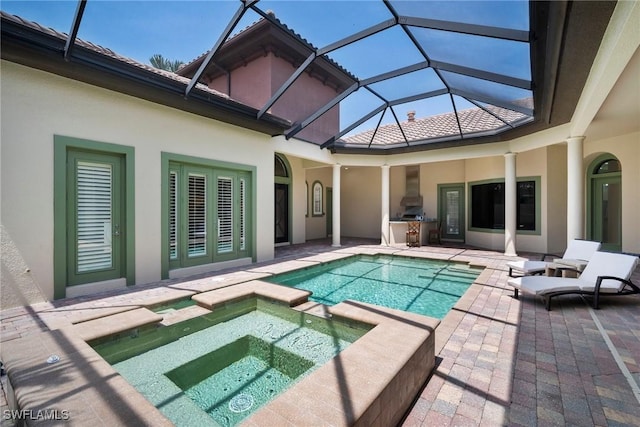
(605, 274)
(575, 257)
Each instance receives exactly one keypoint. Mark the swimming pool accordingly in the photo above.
(427, 287)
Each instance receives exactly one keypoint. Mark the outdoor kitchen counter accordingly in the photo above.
(398, 232)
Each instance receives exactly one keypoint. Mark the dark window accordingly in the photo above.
(280, 167)
(526, 209)
(487, 206)
(607, 166)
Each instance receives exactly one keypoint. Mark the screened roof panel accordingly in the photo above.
(474, 120)
(377, 60)
(509, 116)
(322, 24)
(507, 14)
(506, 57)
(415, 124)
(379, 53)
(156, 27)
(417, 82)
(356, 106)
(488, 89)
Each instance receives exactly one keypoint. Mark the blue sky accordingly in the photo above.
(183, 30)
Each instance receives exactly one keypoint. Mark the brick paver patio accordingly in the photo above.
(502, 361)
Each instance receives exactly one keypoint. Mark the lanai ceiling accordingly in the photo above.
(418, 74)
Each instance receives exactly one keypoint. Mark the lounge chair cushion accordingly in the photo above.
(601, 264)
(608, 264)
(576, 256)
(528, 267)
(581, 250)
(540, 285)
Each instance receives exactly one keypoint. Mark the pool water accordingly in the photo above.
(426, 287)
(219, 368)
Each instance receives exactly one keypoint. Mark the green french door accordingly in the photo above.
(95, 214)
(606, 214)
(207, 215)
(451, 212)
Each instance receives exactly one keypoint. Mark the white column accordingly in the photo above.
(575, 188)
(510, 204)
(336, 205)
(384, 191)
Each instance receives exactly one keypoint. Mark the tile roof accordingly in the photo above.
(472, 121)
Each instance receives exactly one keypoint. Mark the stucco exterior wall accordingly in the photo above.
(244, 82)
(626, 148)
(305, 96)
(361, 204)
(37, 105)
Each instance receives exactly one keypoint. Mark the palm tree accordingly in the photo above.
(163, 63)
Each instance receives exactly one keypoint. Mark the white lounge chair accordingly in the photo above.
(575, 257)
(605, 274)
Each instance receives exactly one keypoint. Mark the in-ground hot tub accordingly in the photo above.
(363, 385)
(221, 367)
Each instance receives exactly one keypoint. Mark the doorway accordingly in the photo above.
(95, 217)
(281, 213)
(451, 212)
(281, 199)
(329, 212)
(605, 205)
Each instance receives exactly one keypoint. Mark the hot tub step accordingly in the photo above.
(116, 323)
(314, 308)
(183, 314)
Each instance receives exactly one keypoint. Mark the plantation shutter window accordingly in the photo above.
(94, 218)
(197, 215)
(173, 215)
(243, 214)
(225, 214)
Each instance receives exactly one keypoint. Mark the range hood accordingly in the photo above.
(412, 197)
(411, 201)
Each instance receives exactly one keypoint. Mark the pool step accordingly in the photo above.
(177, 316)
(116, 323)
(314, 308)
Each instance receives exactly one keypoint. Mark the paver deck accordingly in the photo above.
(499, 361)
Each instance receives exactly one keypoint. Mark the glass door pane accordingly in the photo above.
(451, 212)
(607, 215)
(281, 213)
(452, 215)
